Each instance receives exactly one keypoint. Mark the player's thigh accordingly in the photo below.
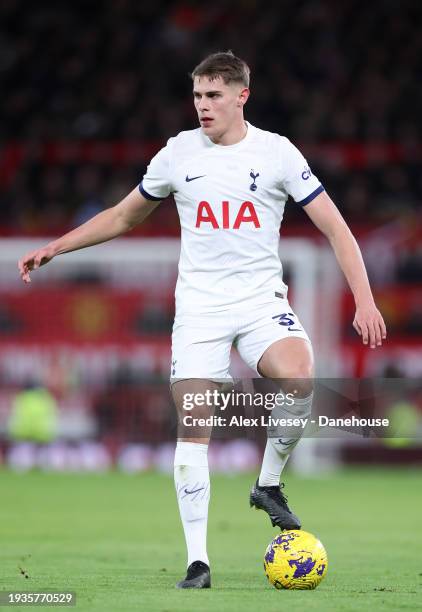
(287, 358)
(275, 344)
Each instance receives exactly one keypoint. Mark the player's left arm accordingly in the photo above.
(368, 321)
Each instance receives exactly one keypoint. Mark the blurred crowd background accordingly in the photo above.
(91, 90)
(323, 72)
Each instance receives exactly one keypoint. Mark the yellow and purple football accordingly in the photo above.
(295, 559)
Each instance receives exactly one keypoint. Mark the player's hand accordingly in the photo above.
(369, 324)
(33, 260)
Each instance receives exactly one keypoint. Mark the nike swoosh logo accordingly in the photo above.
(193, 178)
(286, 442)
(193, 491)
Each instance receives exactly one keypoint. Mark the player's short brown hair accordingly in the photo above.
(226, 65)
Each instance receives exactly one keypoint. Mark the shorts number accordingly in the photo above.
(286, 320)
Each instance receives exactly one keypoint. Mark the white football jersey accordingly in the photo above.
(230, 201)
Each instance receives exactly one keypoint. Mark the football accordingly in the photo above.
(295, 559)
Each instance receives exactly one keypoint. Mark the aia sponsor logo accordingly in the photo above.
(223, 219)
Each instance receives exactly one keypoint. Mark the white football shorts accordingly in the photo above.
(201, 342)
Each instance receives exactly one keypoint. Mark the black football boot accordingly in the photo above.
(272, 500)
(198, 577)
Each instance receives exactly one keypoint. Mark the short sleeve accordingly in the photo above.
(298, 180)
(156, 182)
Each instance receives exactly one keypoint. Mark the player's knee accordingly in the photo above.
(303, 370)
(298, 387)
(298, 379)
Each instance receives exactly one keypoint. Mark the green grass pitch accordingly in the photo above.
(117, 542)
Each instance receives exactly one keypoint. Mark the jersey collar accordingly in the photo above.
(235, 146)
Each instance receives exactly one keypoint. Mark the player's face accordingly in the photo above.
(219, 105)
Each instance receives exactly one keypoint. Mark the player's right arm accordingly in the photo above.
(108, 224)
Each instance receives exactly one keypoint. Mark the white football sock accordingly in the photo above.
(192, 481)
(282, 440)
